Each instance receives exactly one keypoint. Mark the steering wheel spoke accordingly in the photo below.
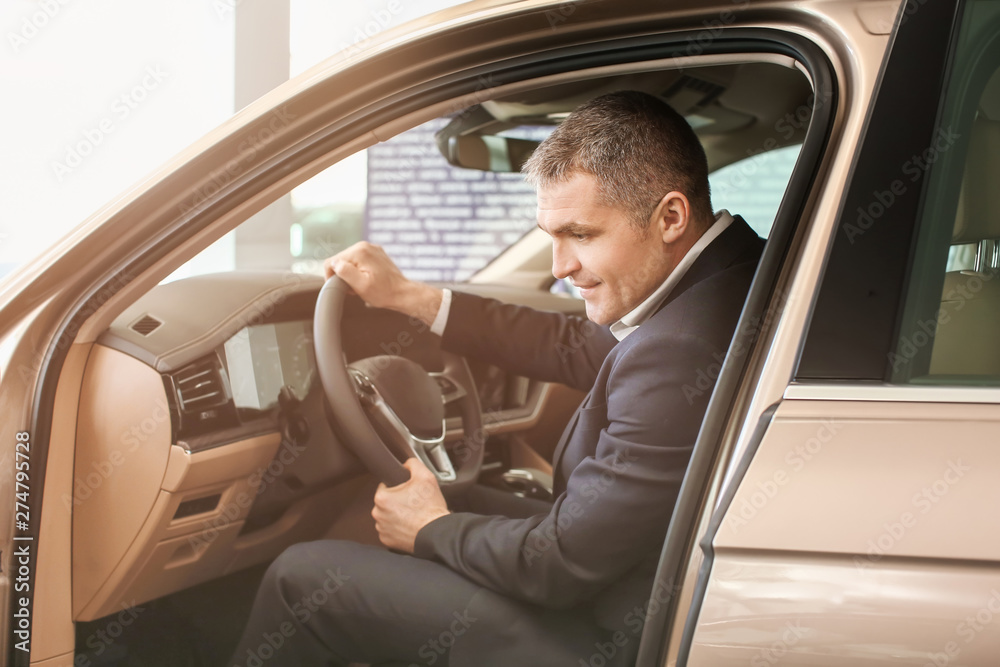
(431, 451)
(389, 408)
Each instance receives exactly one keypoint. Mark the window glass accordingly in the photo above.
(950, 325)
(443, 223)
(753, 187)
(438, 222)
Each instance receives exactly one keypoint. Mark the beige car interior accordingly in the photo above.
(151, 513)
(969, 325)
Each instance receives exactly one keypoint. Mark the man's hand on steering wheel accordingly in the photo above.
(389, 408)
(374, 277)
(401, 511)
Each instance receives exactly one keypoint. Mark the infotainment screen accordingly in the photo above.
(262, 359)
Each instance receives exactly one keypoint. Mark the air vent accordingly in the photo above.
(146, 325)
(199, 386)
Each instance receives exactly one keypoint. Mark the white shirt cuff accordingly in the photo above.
(441, 319)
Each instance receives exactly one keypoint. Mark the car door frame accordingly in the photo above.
(914, 70)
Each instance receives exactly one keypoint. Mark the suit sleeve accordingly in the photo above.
(546, 346)
(617, 503)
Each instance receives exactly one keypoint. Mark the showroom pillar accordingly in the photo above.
(261, 64)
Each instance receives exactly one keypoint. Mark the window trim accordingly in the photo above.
(854, 322)
(892, 393)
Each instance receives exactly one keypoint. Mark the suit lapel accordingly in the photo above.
(731, 247)
(558, 483)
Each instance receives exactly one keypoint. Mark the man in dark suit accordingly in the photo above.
(623, 192)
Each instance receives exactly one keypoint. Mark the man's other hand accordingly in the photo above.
(369, 271)
(402, 510)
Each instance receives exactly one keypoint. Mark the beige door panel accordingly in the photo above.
(853, 520)
(765, 609)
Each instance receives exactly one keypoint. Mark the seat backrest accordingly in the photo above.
(967, 341)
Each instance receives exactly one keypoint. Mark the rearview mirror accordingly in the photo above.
(486, 152)
(471, 140)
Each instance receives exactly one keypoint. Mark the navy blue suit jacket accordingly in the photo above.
(623, 455)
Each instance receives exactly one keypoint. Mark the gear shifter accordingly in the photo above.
(529, 483)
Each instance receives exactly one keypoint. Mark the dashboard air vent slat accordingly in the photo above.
(146, 325)
(199, 386)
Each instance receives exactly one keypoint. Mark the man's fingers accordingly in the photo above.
(416, 467)
(348, 271)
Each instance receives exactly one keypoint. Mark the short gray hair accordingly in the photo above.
(636, 146)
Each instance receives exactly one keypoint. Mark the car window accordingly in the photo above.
(855, 321)
(951, 316)
(443, 222)
(438, 222)
(753, 187)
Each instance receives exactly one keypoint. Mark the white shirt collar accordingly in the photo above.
(645, 310)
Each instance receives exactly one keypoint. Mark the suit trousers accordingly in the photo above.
(334, 602)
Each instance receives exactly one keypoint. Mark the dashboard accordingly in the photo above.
(203, 397)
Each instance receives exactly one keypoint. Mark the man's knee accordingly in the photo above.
(304, 569)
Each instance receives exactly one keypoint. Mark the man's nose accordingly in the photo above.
(564, 261)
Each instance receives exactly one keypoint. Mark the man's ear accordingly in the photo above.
(673, 217)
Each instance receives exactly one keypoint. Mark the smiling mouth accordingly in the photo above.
(586, 289)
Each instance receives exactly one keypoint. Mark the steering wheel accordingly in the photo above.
(388, 408)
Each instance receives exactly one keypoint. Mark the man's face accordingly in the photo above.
(594, 245)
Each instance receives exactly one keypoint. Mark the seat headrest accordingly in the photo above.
(978, 214)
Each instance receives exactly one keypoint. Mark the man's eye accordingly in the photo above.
(580, 237)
